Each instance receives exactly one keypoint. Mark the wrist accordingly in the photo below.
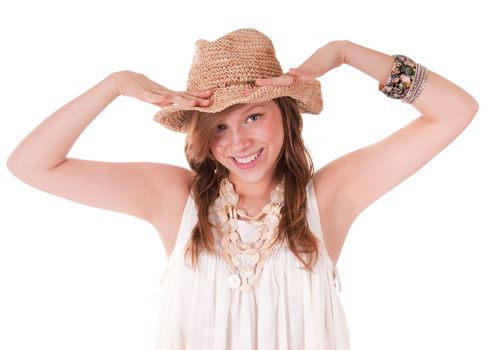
(337, 53)
(345, 46)
(113, 81)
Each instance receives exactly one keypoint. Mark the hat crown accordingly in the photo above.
(238, 57)
(230, 64)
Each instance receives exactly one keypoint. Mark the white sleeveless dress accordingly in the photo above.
(289, 309)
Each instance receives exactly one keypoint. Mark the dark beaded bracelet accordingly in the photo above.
(407, 80)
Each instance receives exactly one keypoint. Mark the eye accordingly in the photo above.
(254, 117)
(220, 127)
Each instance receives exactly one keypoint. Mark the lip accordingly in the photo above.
(248, 165)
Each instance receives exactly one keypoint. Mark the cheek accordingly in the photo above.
(276, 134)
(216, 142)
(217, 150)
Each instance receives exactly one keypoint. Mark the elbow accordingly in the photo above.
(10, 164)
(17, 169)
(470, 109)
(13, 168)
(21, 173)
(13, 161)
(474, 106)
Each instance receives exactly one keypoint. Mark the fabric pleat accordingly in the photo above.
(289, 309)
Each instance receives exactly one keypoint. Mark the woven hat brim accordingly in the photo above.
(306, 93)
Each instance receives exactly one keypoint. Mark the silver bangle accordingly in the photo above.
(418, 84)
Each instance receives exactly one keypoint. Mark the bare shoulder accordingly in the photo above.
(336, 218)
(171, 184)
(171, 188)
(326, 186)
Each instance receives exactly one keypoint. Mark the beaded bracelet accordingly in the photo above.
(407, 80)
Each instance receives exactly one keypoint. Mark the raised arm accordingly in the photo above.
(366, 174)
(349, 184)
(137, 189)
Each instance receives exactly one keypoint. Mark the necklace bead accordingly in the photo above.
(234, 281)
(271, 221)
(266, 208)
(235, 261)
(277, 196)
(250, 251)
(246, 258)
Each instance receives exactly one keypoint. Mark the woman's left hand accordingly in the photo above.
(326, 58)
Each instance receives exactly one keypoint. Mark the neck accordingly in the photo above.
(254, 192)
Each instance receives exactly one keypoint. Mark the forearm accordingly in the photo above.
(441, 100)
(49, 143)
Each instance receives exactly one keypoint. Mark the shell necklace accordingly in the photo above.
(246, 259)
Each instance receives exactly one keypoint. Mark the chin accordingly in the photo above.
(251, 177)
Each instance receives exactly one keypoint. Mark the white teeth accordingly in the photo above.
(249, 158)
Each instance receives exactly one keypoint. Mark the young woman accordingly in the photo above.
(253, 235)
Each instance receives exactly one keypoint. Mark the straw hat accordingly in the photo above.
(228, 66)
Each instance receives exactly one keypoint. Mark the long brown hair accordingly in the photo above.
(294, 162)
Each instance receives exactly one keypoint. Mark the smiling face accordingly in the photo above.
(247, 141)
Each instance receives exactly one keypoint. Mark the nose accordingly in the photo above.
(240, 140)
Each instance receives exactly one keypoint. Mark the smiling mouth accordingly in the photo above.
(249, 159)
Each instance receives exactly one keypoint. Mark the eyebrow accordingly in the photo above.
(248, 109)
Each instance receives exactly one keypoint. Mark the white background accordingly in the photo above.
(418, 267)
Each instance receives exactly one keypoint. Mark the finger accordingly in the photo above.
(171, 97)
(199, 100)
(265, 82)
(203, 94)
(292, 75)
(249, 91)
(162, 104)
(301, 74)
(168, 98)
(282, 80)
(189, 101)
(204, 103)
(175, 98)
(184, 101)
(153, 97)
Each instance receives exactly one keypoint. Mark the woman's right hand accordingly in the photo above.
(137, 85)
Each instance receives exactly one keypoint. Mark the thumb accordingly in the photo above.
(301, 73)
